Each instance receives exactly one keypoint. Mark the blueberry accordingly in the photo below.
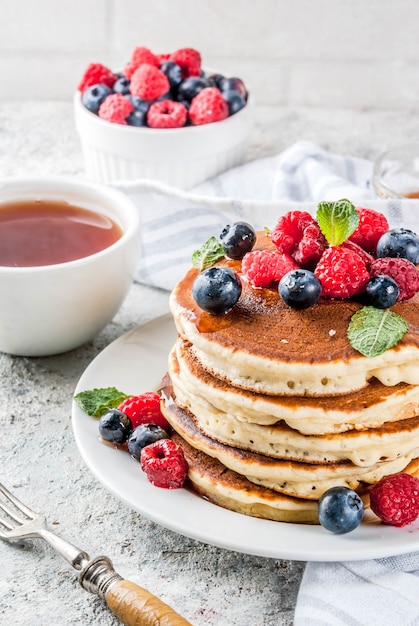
(238, 239)
(217, 289)
(139, 104)
(234, 84)
(137, 118)
(235, 101)
(185, 103)
(122, 85)
(382, 291)
(300, 288)
(216, 80)
(399, 242)
(93, 96)
(190, 87)
(173, 72)
(115, 426)
(340, 510)
(142, 436)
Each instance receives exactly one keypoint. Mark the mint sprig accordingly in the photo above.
(372, 331)
(337, 220)
(97, 402)
(208, 254)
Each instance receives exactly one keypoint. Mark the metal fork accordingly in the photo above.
(133, 605)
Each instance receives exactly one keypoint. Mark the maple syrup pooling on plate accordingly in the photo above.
(45, 232)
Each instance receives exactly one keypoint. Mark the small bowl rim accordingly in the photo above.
(55, 180)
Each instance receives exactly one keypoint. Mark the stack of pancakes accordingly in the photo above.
(273, 406)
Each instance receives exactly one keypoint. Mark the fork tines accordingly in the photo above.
(13, 508)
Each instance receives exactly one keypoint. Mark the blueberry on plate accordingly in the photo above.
(382, 291)
(217, 289)
(399, 242)
(93, 96)
(142, 436)
(237, 239)
(300, 288)
(115, 426)
(340, 510)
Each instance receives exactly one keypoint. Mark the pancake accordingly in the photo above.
(362, 447)
(208, 398)
(263, 345)
(273, 406)
(221, 486)
(297, 479)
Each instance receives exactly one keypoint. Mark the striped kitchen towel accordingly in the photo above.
(174, 223)
(360, 593)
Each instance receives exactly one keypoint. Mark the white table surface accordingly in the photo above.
(38, 455)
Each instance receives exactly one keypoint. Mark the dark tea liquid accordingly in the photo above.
(45, 232)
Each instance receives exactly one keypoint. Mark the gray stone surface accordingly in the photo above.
(38, 455)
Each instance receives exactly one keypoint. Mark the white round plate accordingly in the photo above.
(135, 363)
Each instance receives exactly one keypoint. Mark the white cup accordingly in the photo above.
(51, 309)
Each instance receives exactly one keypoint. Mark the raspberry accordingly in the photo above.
(208, 106)
(115, 108)
(365, 256)
(139, 56)
(189, 60)
(402, 271)
(297, 233)
(96, 73)
(144, 409)
(167, 114)
(164, 56)
(341, 272)
(395, 499)
(164, 464)
(148, 82)
(371, 226)
(263, 267)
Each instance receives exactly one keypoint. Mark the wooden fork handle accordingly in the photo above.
(136, 606)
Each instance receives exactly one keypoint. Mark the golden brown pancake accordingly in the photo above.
(297, 479)
(267, 347)
(210, 398)
(224, 487)
(273, 406)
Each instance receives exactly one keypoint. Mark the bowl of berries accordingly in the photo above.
(163, 118)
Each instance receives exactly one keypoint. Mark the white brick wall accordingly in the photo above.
(354, 53)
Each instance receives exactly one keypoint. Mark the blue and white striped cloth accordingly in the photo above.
(360, 593)
(174, 223)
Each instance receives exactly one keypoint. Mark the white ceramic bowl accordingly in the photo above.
(181, 157)
(51, 309)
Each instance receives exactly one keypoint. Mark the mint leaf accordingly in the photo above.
(337, 220)
(372, 331)
(96, 402)
(208, 254)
